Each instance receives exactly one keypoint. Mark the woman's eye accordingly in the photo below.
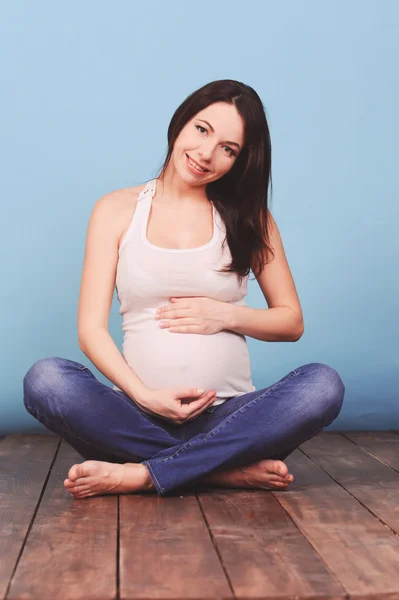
(231, 152)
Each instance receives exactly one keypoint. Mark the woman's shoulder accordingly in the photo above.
(119, 204)
(124, 203)
(124, 197)
(116, 209)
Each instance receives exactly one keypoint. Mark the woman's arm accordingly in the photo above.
(278, 324)
(101, 349)
(282, 321)
(97, 287)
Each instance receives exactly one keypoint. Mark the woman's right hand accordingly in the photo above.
(173, 404)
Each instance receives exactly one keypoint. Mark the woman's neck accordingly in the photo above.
(172, 189)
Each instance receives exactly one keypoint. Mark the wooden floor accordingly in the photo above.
(332, 534)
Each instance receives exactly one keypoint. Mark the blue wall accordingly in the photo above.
(88, 91)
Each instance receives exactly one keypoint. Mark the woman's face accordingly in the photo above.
(214, 144)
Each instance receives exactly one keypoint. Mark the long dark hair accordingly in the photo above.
(241, 195)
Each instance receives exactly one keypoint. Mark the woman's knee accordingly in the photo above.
(44, 379)
(328, 390)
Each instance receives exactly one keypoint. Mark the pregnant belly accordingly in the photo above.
(161, 358)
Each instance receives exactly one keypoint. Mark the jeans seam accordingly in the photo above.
(231, 416)
(158, 486)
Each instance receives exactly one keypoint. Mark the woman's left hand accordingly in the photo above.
(194, 315)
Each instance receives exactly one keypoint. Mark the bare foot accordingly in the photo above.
(266, 474)
(94, 477)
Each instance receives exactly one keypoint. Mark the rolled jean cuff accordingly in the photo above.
(155, 481)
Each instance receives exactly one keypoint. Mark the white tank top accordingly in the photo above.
(147, 277)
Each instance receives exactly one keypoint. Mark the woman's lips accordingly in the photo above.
(193, 169)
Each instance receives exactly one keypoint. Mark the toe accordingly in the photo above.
(280, 468)
(74, 472)
(81, 470)
(72, 485)
(80, 489)
(84, 495)
(275, 485)
(280, 485)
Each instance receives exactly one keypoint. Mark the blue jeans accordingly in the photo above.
(105, 424)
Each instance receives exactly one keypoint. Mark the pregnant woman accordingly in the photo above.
(183, 409)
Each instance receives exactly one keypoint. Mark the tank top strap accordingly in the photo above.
(149, 190)
(140, 215)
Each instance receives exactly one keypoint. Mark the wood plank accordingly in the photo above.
(259, 545)
(264, 553)
(373, 483)
(361, 551)
(384, 445)
(25, 461)
(71, 549)
(166, 550)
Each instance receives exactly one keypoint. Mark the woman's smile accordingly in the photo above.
(194, 167)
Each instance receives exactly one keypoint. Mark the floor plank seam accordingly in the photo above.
(370, 453)
(32, 521)
(350, 493)
(214, 543)
(346, 594)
